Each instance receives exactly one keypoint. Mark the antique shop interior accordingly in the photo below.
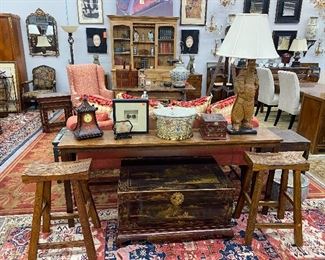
(161, 129)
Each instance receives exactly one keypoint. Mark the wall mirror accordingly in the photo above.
(288, 11)
(42, 34)
(256, 6)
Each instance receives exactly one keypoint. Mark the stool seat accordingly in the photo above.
(76, 172)
(273, 161)
(260, 164)
(57, 171)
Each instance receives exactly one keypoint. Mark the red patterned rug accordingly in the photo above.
(17, 130)
(267, 244)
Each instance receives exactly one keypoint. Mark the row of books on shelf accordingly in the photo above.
(165, 47)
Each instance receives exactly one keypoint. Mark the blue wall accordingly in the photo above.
(57, 8)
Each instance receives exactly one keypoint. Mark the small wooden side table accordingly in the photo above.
(52, 101)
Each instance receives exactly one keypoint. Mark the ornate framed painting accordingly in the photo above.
(288, 11)
(282, 40)
(193, 12)
(90, 12)
(256, 6)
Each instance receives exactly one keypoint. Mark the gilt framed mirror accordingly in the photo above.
(256, 6)
(42, 34)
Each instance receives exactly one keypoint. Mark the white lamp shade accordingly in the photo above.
(32, 29)
(49, 30)
(42, 41)
(69, 28)
(299, 45)
(249, 37)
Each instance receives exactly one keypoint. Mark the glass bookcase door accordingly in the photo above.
(143, 46)
(122, 46)
(166, 45)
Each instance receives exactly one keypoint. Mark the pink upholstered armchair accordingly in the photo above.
(87, 79)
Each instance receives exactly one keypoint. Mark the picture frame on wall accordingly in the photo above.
(9, 70)
(193, 12)
(257, 6)
(90, 12)
(190, 41)
(134, 110)
(288, 11)
(96, 40)
(282, 40)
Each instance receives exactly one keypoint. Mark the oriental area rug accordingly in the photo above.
(267, 243)
(17, 129)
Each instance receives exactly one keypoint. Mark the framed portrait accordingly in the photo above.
(190, 41)
(134, 110)
(257, 6)
(96, 40)
(282, 40)
(90, 11)
(193, 12)
(8, 70)
(288, 11)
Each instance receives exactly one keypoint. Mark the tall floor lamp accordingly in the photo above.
(249, 37)
(70, 29)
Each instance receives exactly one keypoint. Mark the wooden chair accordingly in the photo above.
(43, 174)
(44, 81)
(262, 163)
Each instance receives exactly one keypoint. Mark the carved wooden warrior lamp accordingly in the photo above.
(249, 37)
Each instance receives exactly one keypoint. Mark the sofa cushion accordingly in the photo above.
(153, 103)
(200, 104)
(104, 105)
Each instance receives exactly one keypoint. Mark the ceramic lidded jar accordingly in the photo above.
(179, 75)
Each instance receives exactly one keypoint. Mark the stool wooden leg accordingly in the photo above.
(282, 197)
(47, 207)
(244, 188)
(92, 209)
(84, 221)
(36, 223)
(297, 208)
(68, 201)
(268, 190)
(253, 208)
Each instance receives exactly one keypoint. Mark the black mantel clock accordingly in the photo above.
(87, 126)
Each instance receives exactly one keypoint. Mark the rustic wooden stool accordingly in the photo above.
(261, 163)
(43, 174)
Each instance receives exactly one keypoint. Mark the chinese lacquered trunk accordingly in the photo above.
(171, 198)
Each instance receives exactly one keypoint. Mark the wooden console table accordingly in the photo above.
(161, 93)
(311, 122)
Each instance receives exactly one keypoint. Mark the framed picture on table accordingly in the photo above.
(256, 6)
(90, 12)
(288, 11)
(134, 110)
(193, 12)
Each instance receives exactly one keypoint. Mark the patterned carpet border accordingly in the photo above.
(267, 244)
(17, 130)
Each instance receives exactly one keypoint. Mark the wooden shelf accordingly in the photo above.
(122, 53)
(144, 42)
(148, 56)
(170, 53)
(121, 39)
(165, 40)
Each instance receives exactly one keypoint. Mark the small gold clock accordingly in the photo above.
(87, 118)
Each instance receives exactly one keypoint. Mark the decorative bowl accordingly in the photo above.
(175, 123)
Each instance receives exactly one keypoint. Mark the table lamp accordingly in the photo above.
(249, 37)
(297, 46)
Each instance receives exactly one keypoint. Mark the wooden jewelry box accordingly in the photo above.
(173, 198)
(213, 127)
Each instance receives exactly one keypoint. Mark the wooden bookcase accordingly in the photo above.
(151, 49)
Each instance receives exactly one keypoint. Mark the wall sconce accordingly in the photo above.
(311, 31)
(227, 2)
(70, 29)
(320, 5)
(319, 49)
(212, 26)
(215, 49)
